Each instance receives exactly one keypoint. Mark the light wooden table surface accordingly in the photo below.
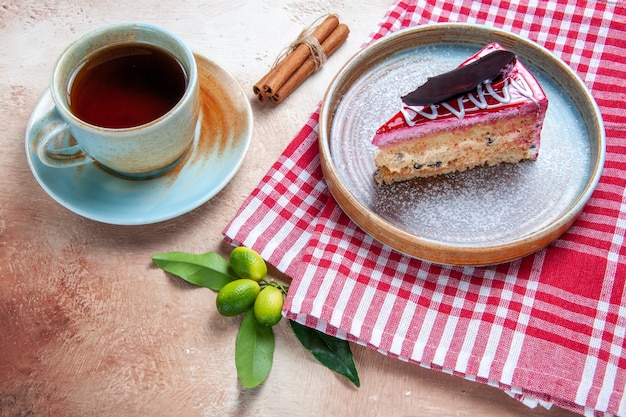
(88, 326)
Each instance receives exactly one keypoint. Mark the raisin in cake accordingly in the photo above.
(487, 111)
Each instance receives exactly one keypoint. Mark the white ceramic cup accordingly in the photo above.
(63, 140)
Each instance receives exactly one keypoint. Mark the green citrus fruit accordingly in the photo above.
(247, 263)
(237, 296)
(268, 306)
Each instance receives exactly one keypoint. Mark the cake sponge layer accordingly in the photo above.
(506, 140)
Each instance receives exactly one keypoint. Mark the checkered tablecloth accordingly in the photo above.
(547, 328)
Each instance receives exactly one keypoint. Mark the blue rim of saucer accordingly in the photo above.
(220, 145)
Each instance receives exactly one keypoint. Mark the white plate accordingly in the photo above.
(217, 154)
(481, 216)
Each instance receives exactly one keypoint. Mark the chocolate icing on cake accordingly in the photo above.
(462, 79)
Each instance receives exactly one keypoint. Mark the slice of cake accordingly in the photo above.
(487, 111)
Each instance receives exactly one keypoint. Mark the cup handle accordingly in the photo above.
(55, 145)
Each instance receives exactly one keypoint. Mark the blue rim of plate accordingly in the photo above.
(220, 145)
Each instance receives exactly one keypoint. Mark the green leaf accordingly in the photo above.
(332, 352)
(209, 269)
(254, 351)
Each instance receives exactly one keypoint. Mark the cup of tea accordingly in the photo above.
(126, 96)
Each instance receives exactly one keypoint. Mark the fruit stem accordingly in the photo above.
(282, 287)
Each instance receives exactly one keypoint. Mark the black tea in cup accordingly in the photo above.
(126, 85)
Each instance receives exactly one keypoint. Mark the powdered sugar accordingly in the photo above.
(481, 207)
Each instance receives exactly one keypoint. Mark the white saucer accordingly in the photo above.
(217, 154)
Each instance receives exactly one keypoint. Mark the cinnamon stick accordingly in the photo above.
(278, 75)
(329, 46)
(257, 88)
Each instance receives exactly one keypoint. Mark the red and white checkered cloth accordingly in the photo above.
(547, 328)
